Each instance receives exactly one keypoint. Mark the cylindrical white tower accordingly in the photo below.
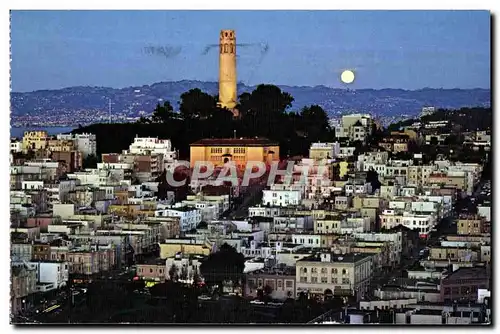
(227, 69)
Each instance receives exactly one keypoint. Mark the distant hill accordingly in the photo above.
(132, 100)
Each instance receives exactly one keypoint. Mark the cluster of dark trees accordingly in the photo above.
(464, 119)
(224, 265)
(264, 112)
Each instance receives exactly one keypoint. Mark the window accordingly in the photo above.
(304, 270)
(334, 271)
(303, 279)
(314, 280)
(324, 280)
(280, 284)
(151, 270)
(345, 281)
(345, 271)
(289, 284)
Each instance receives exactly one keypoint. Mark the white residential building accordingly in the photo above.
(396, 238)
(263, 211)
(307, 240)
(389, 191)
(423, 223)
(346, 151)
(324, 150)
(484, 211)
(355, 225)
(185, 267)
(281, 197)
(189, 217)
(153, 146)
(357, 189)
(32, 185)
(380, 168)
(391, 218)
(84, 142)
(16, 146)
(258, 250)
(297, 223)
(50, 275)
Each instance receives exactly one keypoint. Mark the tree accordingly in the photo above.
(172, 273)
(267, 293)
(143, 120)
(197, 104)
(264, 109)
(268, 290)
(184, 273)
(163, 113)
(224, 265)
(316, 123)
(266, 99)
(90, 162)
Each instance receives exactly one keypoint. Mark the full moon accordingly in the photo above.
(347, 76)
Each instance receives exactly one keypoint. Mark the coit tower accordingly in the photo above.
(227, 69)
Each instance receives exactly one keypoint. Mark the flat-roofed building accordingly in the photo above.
(330, 274)
(238, 150)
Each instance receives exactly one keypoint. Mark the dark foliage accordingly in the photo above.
(466, 119)
(225, 264)
(264, 112)
(90, 161)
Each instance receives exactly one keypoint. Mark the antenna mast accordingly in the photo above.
(109, 110)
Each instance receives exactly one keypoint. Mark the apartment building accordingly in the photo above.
(34, 140)
(84, 142)
(23, 284)
(152, 271)
(281, 198)
(463, 284)
(189, 217)
(471, 225)
(320, 151)
(328, 224)
(280, 282)
(461, 254)
(149, 145)
(241, 151)
(50, 275)
(186, 246)
(183, 267)
(329, 274)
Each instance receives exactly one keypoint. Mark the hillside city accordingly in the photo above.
(375, 225)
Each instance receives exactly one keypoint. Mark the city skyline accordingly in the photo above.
(408, 50)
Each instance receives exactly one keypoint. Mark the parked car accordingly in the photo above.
(258, 302)
(204, 297)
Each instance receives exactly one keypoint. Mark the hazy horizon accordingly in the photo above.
(254, 85)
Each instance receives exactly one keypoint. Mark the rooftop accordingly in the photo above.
(235, 142)
(469, 273)
(289, 271)
(345, 258)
